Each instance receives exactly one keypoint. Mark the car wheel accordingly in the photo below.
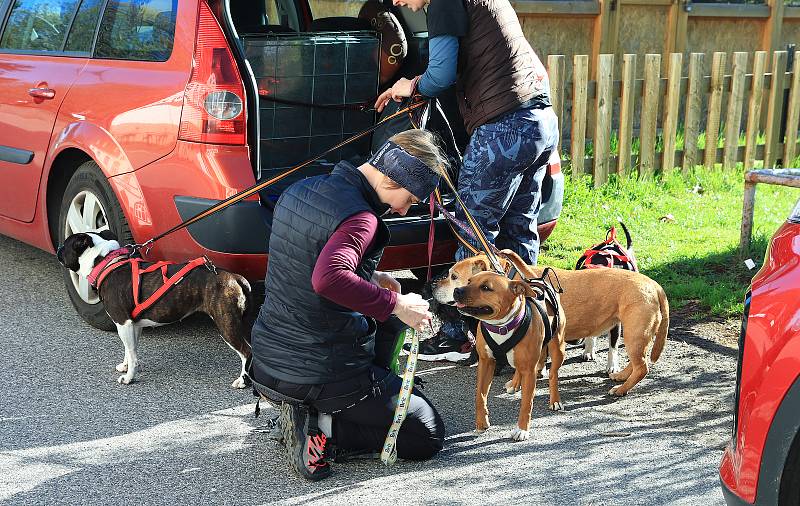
(790, 480)
(89, 205)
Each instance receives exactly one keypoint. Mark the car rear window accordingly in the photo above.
(38, 25)
(137, 30)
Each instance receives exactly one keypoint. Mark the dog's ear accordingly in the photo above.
(82, 242)
(108, 235)
(479, 265)
(522, 288)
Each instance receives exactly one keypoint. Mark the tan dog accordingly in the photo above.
(501, 303)
(594, 300)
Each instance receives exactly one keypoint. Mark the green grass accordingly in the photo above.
(695, 257)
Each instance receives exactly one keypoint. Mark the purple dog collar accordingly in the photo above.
(508, 327)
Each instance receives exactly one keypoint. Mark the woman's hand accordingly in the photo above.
(385, 280)
(401, 89)
(412, 310)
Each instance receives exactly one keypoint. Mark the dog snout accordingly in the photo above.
(458, 294)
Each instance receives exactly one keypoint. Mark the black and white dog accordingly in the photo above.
(609, 253)
(224, 296)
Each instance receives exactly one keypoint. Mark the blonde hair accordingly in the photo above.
(423, 145)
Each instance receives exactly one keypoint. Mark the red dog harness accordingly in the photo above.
(119, 258)
(609, 253)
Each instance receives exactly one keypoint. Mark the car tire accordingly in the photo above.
(89, 204)
(789, 494)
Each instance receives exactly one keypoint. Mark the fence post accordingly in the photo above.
(605, 32)
(714, 108)
(556, 65)
(754, 110)
(694, 104)
(733, 120)
(671, 111)
(792, 115)
(677, 32)
(747, 215)
(604, 106)
(628, 87)
(772, 132)
(651, 93)
(773, 27)
(580, 92)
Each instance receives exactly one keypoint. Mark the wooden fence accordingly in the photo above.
(659, 122)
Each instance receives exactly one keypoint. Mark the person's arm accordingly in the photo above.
(442, 63)
(334, 274)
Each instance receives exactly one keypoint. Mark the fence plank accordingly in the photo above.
(714, 107)
(694, 104)
(792, 115)
(604, 106)
(733, 120)
(772, 132)
(626, 112)
(652, 80)
(580, 81)
(754, 110)
(671, 111)
(556, 66)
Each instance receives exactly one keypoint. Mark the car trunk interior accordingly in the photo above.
(311, 77)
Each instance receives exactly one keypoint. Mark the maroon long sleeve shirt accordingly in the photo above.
(334, 274)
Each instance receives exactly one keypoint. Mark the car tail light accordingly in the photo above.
(213, 102)
(743, 332)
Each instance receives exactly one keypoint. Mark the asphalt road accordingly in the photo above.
(70, 434)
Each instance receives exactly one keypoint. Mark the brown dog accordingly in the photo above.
(500, 304)
(594, 300)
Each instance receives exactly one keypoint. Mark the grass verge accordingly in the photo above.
(685, 231)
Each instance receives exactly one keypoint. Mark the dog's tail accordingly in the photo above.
(628, 240)
(249, 309)
(663, 327)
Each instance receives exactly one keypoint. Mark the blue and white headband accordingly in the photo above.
(405, 169)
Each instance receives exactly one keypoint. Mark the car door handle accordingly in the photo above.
(42, 93)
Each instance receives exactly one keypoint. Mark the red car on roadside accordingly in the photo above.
(761, 464)
(135, 115)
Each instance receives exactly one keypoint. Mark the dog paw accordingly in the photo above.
(613, 369)
(616, 391)
(511, 387)
(122, 367)
(126, 379)
(239, 383)
(542, 374)
(616, 376)
(556, 406)
(589, 356)
(518, 434)
(480, 427)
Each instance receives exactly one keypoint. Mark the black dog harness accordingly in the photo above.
(501, 349)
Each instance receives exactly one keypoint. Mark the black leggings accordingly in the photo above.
(364, 406)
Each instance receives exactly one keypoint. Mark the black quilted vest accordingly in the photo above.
(301, 337)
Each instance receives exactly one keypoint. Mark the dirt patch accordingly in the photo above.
(686, 322)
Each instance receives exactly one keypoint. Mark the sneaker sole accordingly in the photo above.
(450, 356)
(290, 440)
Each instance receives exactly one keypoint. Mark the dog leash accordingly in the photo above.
(389, 453)
(260, 186)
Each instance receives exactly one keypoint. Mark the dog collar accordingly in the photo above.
(508, 327)
(109, 259)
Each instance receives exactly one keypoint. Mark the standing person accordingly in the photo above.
(316, 338)
(502, 91)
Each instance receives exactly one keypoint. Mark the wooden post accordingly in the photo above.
(605, 31)
(733, 120)
(772, 132)
(773, 27)
(604, 106)
(694, 103)
(580, 92)
(754, 110)
(556, 67)
(792, 115)
(747, 215)
(650, 93)
(676, 33)
(671, 111)
(626, 107)
(714, 108)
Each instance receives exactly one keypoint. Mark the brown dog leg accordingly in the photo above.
(231, 327)
(556, 348)
(522, 431)
(636, 369)
(485, 375)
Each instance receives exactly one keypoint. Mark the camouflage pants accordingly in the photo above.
(501, 179)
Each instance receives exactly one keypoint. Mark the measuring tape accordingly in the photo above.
(389, 453)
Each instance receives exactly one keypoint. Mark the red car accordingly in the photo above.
(761, 464)
(135, 115)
